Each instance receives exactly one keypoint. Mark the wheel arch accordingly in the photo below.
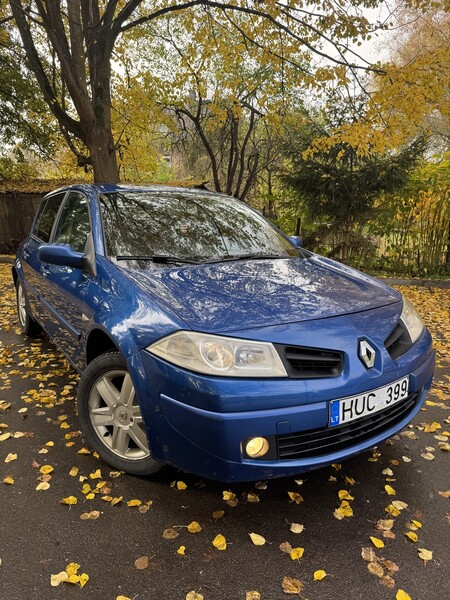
(98, 343)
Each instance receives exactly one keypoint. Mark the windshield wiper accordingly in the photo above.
(163, 258)
(255, 256)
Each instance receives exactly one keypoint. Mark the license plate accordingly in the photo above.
(349, 409)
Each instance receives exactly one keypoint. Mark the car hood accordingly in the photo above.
(237, 295)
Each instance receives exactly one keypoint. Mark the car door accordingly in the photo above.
(65, 288)
(40, 234)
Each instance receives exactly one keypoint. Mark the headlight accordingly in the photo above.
(217, 355)
(411, 320)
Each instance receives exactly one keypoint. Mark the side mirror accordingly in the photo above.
(61, 254)
(296, 240)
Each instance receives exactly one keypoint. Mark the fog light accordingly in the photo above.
(257, 447)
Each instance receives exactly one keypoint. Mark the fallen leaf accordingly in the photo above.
(415, 525)
(425, 555)
(132, 503)
(10, 457)
(46, 469)
(385, 524)
(194, 596)
(252, 498)
(388, 581)
(296, 553)
(55, 580)
(295, 497)
(399, 504)
(141, 563)
(377, 542)
(194, 527)
(428, 456)
(445, 494)
(74, 471)
(391, 566)
(170, 534)
(411, 536)
(319, 575)
(44, 485)
(291, 586)
(253, 595)
(376, 569)
(297, 528)
(181, 550)
(344, 495)
(389, 490)
(123, 598)
(402, 595)
(220, 542)
(8, 480)
(70, 500)
(90, 515)
(368, 554)
(181, 485)
(285, 547)
(257, 539)
(96, 474)
(218, 514)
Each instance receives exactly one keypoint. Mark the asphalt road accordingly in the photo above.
(40, 536)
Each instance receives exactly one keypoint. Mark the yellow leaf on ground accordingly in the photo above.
(399, 504)
(72, 568)
(116, 500)
(402, 595)
(445, 494)
(46, 469)
(296, 553)
(41, 487)
(253, 595)
(74, 471)
(389, 490)
(96, 474)
(368, 554)
(344, 495)
(84, 451)
(218, 514)
(412, 536)
(319, 575)
(181, 485)
(181, 550)
(415, 525)
(123, 598)
(291, 585)
(194, 527)
(84, 578)
(55, 580)
(252, 498)
(377, 542)
(220, 542)
(70, 500)
(9, 480)
(425, 554)
(295, 497)
(194, 596)
(228, 496)
(257, 539)
(10, 457)
(134, 503)
(297, 528)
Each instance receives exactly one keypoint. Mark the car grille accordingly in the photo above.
(327, 440)
(398, 341)
(307, 363)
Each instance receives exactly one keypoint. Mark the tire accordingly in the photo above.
(110, 416)
(26, 322)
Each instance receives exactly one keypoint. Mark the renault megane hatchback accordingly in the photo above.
(208, 340)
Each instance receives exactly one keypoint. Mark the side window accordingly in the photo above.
(46, 217)
(74, 225)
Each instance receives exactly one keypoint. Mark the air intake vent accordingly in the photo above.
(398, 341)
(324, 441)
(308, 363)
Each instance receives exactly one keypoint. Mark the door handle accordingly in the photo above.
(45, 271)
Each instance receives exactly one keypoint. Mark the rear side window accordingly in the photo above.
(46, 217)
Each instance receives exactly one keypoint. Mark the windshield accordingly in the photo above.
(151, 226)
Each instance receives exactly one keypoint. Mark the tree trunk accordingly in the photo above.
(100, 144)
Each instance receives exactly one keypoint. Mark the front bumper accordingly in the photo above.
(198, 423)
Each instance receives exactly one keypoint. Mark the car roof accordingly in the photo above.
(110, 188)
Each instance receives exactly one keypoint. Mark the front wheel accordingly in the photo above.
(110, 416)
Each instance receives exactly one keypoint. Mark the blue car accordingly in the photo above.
(207, 340)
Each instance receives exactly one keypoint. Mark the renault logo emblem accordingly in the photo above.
(366, 353)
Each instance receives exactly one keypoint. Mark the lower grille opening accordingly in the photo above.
(326, 440)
